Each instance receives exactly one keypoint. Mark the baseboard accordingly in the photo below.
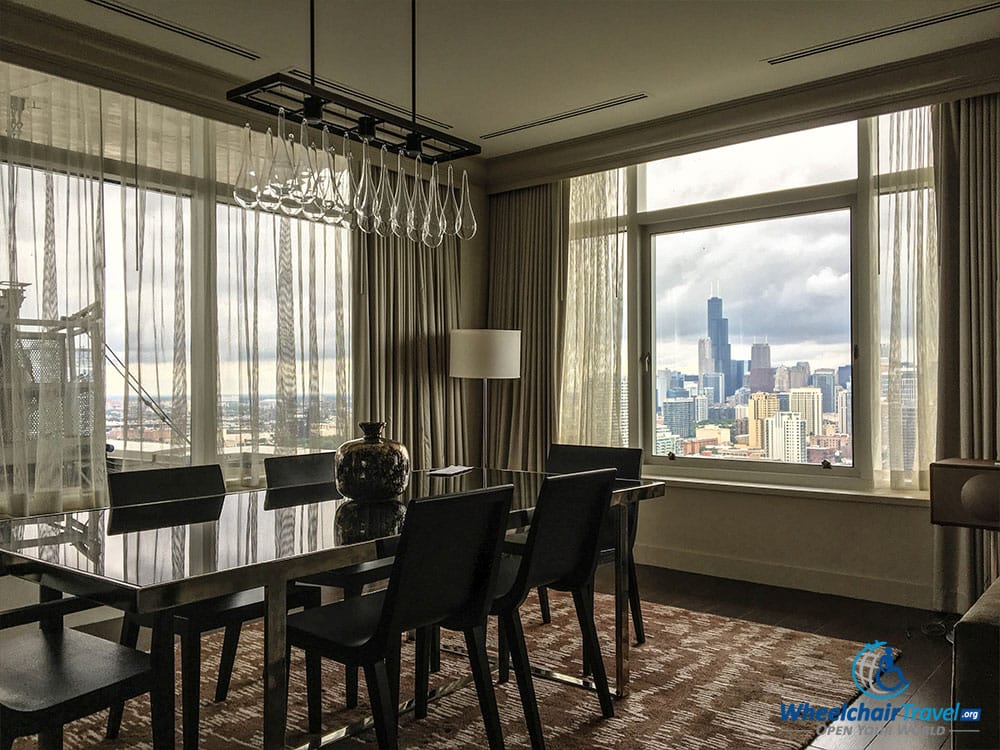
(871, 588)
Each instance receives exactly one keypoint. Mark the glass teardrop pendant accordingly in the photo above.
(247, 181)
(329, 190)
(466, 228)
(281, 171)
(433, 231)
(450, 206)
(348, 188)
(312, 200)
(364, 198)
(267, 198)
(383, 203)
(418, 206)
(400, 201)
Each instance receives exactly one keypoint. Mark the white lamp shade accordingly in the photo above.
(485, 353)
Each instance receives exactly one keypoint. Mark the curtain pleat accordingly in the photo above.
(527, 242)
(407, 304)
(967, 178)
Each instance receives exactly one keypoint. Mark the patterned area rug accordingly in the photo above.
(699, 681)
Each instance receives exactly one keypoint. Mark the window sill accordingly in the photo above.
(908, 498)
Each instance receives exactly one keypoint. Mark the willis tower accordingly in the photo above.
(718, 332)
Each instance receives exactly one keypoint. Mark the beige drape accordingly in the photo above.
(967, 177)
(407, 299)
(590, 402)
(527, 238)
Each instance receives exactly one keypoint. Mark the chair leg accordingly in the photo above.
(475, 642)
(314, 691)
(392, 661)
(383, 711)
(421, 670)
(190, 687)
(227, 661)
(587, 669)
(513, 631)
(436, 649)
(543, 604)
(583, 598)
(351, 673)
(51, 738)
(635, 604)
(503, 655)
(129, 637)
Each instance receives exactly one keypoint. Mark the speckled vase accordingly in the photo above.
(372, 467)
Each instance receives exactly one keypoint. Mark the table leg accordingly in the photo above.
(161, 654)
(622, 635)
(275, 666)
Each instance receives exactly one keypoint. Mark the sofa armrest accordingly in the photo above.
(976, 672)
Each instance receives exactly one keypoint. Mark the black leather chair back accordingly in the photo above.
(161, 485)
(446, 562)
(305, 468)
(565, 458)
(562, 544)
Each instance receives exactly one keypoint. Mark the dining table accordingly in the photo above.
(152, 558)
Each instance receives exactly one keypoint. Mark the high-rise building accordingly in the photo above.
(717, 382)
(700, 408)
(843, 375)
(845, 416)
(662, 384)
(761, 374)
(761, 407)
(705, 362)
(667, 442)
(798, 376)
(679, 416)
(782, 378)
(826, 380)
(808, 404)
(785, 437)
(718, 333)
(623, 411)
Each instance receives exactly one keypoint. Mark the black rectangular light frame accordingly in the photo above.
(341, 114)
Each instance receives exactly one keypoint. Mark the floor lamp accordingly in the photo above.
(486, 354)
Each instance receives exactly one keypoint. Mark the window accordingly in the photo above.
(768, 349)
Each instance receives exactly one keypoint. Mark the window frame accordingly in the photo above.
(856, 195)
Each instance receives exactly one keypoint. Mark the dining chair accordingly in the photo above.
(444, 573)
(561, 552)
(172, 491)
(283, 472)
(51, 675)
(564, 458)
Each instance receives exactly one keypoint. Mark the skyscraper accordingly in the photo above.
(785, 437)
(761, 374)
(808, 404)
(845, 417)
(760, 407)
(705, 362)
(717, 382)
(718, 333)
(679, 416)
(826, 380)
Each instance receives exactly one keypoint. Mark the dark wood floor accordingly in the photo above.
(926, 655)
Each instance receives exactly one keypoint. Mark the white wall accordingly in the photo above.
(874, 549)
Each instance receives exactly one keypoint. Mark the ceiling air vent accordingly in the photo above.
(869, 36)
(162, 23)
(373, 100)
(585, 110)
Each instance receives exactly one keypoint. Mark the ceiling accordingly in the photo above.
(488, 65)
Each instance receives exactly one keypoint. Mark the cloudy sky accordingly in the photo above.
(785, 281)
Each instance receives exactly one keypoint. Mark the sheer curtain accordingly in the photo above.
(284, 313)
(967, 172)
(51, 295)
(591, 391)
(908, 302)
(153, 170)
